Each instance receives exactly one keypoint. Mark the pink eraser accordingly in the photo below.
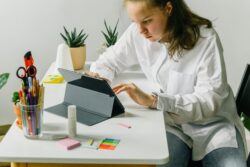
(69, 143)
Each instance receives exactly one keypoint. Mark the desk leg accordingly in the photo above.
(13, 164)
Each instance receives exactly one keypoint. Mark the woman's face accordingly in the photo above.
(151, 22)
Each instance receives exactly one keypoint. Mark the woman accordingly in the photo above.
(181, 52)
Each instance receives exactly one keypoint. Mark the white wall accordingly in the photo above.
(35, 25)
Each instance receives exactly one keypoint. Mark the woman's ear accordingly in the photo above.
(168, 8)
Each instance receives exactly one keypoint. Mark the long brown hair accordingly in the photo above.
(183, 24)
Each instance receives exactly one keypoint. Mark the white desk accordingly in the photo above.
(145, 143)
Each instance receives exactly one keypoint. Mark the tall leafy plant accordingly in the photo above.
(111, 35)
(3, 79)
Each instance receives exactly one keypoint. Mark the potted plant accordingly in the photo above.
(16, 108)
(76, 43)
(111, 34)
(3, 79)
(246, 121)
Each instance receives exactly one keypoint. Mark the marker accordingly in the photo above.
(124, 125)
(90, 141)
(21, 96)
(92, 144)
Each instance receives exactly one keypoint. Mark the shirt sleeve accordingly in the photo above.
(117, 58)
(210, 90)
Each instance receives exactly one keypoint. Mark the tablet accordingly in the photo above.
(89, 82)
(94, 98)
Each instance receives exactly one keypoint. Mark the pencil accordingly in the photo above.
(124, 125)
(41, 94)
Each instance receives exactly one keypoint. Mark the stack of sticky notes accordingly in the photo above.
(53, 79)
(109, 144)
(68, 143)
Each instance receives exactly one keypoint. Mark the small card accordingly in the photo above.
(68, 143)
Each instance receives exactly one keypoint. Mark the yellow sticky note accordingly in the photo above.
(53, 79)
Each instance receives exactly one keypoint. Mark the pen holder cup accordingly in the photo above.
(32, 119)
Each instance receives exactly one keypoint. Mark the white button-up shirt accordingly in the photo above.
(198, 103)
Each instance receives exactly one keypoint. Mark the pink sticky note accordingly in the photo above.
(68, 143)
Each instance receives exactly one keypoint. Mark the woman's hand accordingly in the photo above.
(96, 75)
(92, 74)
(135, 93)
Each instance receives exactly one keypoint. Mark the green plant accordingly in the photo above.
(245, 120)
(3, 79)
(74, 39)
(15, 97)
(111, 35)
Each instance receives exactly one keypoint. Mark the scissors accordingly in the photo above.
(24, 73)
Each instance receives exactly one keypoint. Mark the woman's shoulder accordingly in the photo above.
(208, 35)
(207, 32)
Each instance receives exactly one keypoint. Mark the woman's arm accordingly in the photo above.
(117, 58)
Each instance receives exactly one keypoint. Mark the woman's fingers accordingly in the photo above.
(122, 87)
(120, 90)
(96, 75)
(134, 93)
(117, 86)
(92, 74)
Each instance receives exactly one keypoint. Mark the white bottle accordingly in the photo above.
(72, 120)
